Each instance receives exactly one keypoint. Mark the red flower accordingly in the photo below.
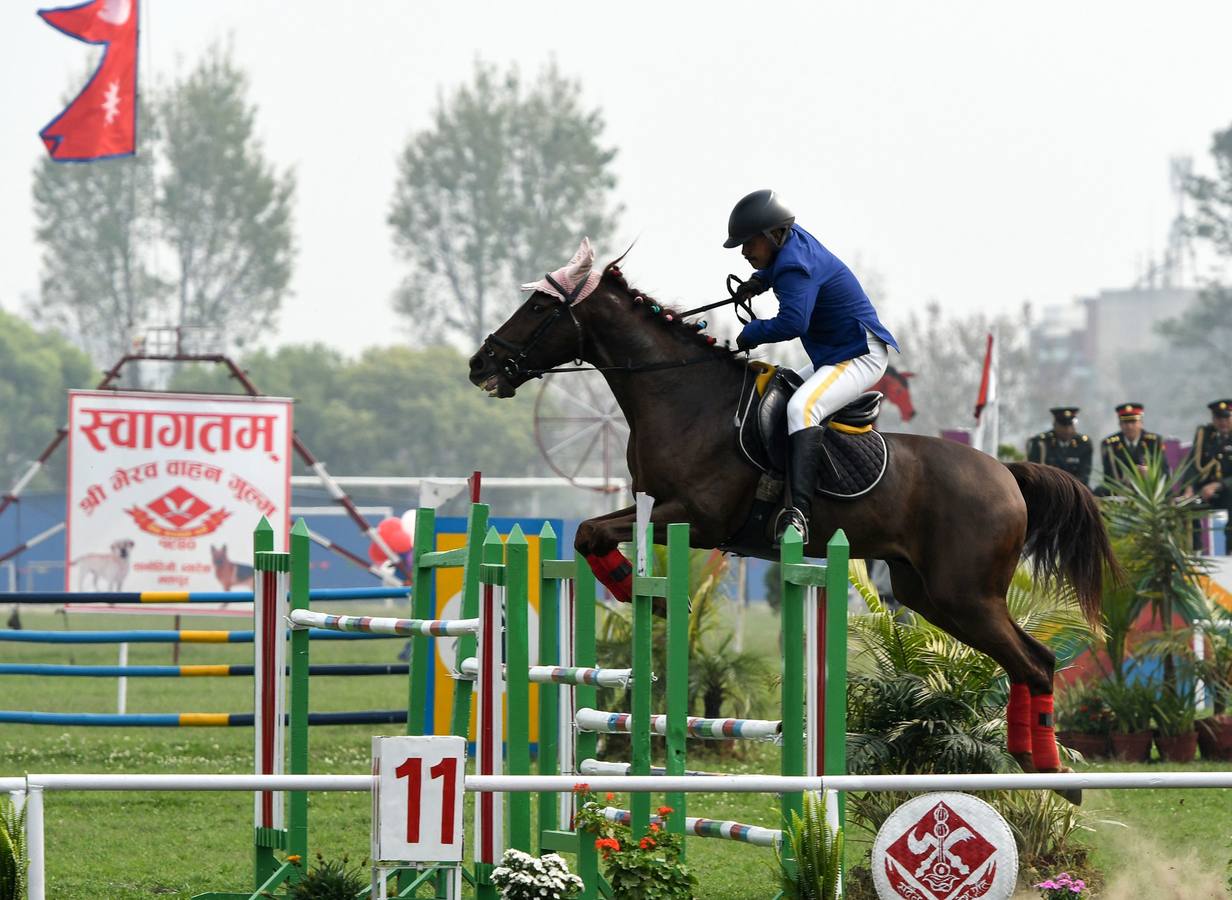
(665, 810)
(607, 844)
(654, 826)
(647, 843)
(581, 789)
(610, 796)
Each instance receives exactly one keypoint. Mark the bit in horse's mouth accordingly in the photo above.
(494, 388)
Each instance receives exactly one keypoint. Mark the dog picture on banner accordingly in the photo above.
(165, 489)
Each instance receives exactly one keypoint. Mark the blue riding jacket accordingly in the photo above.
(820, 302)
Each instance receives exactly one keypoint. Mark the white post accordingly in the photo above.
(645, 538)
(566, 702)
(36, 887)
(122, 682)
(490, 735)
(742, 600)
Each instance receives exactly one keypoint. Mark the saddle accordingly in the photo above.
(855, 455)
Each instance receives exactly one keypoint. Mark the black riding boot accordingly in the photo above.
(803, 463)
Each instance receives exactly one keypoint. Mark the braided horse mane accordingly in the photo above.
(669, 316)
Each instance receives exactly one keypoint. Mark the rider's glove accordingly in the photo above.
(749, 289)
(744, 343)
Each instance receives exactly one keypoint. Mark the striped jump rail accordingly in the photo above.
(614, 678)
(191, 671)
(303, 618)
(182, 636)
(190, 720)
(602, 767)
(709, 828)
(603, 722)
(62, 597)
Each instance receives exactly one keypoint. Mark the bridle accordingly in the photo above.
(512, 366)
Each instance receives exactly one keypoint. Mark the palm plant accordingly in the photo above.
(815, 868)
(721, 676)
(13, 860)
(1121, 603)
(921, 702)
(1153, 526)
(1213, 626)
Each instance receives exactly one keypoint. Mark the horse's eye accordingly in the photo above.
(538, 309)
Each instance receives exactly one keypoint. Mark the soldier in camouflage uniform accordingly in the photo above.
(1063, 447)
(1211, 459)
(1131, 446)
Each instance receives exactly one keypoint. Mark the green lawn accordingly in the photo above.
(122, 845)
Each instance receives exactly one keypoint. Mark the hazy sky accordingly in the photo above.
(979, 153)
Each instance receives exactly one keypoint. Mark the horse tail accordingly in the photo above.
(1066, 537)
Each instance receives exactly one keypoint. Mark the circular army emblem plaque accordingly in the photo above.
(945, 846)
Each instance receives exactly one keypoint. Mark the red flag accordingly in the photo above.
(102, 120)
(988, 382)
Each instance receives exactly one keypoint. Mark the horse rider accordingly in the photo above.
(822, 303)
(1130, 447)
(1062, 446)
(1211, 459)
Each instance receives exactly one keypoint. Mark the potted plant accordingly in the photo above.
(1214, 667)
(1132, 704)
(1084, 720)
(1174, 724)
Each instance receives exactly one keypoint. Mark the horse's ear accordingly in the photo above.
(583, 260)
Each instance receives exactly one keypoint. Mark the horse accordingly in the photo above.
(951, 522)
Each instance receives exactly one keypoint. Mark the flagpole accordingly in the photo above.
(995, 400)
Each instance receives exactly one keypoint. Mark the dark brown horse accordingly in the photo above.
(951, 522)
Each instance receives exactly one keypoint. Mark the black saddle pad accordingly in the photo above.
(855, 460)
(853, 465)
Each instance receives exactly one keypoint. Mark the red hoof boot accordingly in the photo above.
(614, 572)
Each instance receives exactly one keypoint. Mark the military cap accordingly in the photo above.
(1221, 408)
(1128, 412)
(1064, 415)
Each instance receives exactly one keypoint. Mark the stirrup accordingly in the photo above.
(789, 515)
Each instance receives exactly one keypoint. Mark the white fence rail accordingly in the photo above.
(31, 788)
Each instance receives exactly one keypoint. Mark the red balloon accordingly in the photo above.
(376, 554)
(394, 534)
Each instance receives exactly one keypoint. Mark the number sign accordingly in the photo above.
(417, 799)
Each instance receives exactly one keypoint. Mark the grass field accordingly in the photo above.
(1153, 844)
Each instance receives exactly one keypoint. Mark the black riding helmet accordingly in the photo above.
(756, 213)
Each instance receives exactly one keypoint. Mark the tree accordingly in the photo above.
(36, 368)
(224, 208)
(1206, 324)
(96, 227)
(495, 192)
(1213, 194)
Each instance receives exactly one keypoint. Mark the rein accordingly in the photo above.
(745, 305)
(513, 368)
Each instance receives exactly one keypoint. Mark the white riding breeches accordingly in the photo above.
(830, 388)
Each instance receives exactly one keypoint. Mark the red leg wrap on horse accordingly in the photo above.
(1043, 741)
(614, 572)
(1018, 719)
